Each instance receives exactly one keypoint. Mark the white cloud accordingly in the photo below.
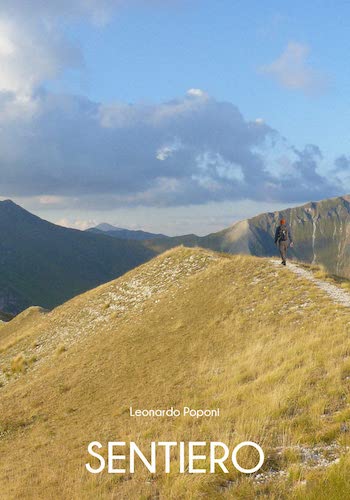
(33, 46)
(167, 150)
(31, 52)
(197, 93)
(163, 153)
(50, 200)
(292, 70)
(80, 224)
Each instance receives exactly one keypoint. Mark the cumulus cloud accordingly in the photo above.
(63, 150)
(197, 93)
(190, 150)
(341, 169)
(31, 52)
(50, 200)
(32, 48)
(80, 224)
(33, 45)
(342, 164)
(292, 70)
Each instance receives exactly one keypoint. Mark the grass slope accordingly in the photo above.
(190, 327)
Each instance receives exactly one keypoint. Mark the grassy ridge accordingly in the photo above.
(188, 328)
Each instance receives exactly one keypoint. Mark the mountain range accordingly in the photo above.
(45, 264)
(128, 234)
(321, 233)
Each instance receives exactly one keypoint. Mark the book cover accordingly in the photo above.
(174, 250)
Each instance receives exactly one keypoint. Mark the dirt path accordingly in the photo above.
(337, 295)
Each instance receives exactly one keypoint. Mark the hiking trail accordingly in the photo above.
(337, 295)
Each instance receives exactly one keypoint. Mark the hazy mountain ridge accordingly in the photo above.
(128, 234)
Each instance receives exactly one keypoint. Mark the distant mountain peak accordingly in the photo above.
(12, 205)
(119, 232)
(104, 226)
(9, 203)
(15, 214)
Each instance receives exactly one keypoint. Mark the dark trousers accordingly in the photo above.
(283, 245)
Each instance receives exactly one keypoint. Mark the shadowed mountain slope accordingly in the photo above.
(5, 316)
(189, 328)
(45, 264)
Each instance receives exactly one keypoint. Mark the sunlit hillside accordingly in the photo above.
(320, 233)
(189, 328)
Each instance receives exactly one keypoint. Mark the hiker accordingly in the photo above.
(283, 239)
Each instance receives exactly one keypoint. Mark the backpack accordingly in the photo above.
(283, 235)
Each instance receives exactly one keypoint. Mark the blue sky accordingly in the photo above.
(176, 116)
(158, 53)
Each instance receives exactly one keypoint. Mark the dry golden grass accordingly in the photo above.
(268, 348)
